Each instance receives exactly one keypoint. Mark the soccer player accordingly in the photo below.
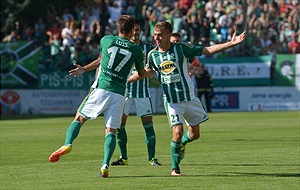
(170, 61)
(194, 64)
(118, 57)
(138, 95)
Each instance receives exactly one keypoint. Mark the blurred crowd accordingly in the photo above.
(74, 34)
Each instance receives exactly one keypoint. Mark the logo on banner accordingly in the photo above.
(287, 70)
(225, 100)
(10, 103)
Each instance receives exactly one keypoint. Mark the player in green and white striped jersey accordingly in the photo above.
(118, 57)
(170, 61)
(138, 95)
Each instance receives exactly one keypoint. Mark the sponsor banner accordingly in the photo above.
(247, 71)
(268, 106)
(244, 70)
(297, 71)
(41, 101)
(19, 63)
(56, 101)
(62, 80)
(256, 98)
(226, 100)
(285, 70)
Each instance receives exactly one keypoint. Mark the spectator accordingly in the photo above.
(55, 29)
(205, 88)
(115, 10)
(40, 30)
(11, 37)
(54, 44)
(294, 45)
(193, 17)
(67, 34)
(177, 18)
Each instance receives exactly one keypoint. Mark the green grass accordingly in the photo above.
(236, 151)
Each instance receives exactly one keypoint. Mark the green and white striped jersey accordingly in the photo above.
(118, 57)
(172, 70)
(140, 88)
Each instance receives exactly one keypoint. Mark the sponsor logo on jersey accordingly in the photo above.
(167, 67)
(170, 79)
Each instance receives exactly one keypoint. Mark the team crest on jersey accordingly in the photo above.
(167, 67)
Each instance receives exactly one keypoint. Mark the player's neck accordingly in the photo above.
(137, 42)
(125, 36)
(164, 47)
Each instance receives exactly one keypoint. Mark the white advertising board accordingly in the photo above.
(256, 99)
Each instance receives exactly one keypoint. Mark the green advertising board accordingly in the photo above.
(285, 70)
(21, 69)
(19, 63)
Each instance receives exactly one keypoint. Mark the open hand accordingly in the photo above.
(78, 71)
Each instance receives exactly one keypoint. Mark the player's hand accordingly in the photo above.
(194, 70)
(150, 72)
(78, 71)
(237, 39)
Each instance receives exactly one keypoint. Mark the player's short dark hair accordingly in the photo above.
(164, 26)
(176, 34)
(125, 24)
(137, 22)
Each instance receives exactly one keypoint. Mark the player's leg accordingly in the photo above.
(174, 113)
(121, 136)
(150, 140)
(176, 149)
(109, 148)
(194, 115)
(114, 104)
(71, 133)
(145, 111)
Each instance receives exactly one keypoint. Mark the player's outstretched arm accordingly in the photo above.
(146, 72)
(235, 40)
(79, 70)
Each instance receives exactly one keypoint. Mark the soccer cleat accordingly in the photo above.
(182, 150)
(119, 162)
(104, 171)
(55, 156)
(154, 162)
(176, 172)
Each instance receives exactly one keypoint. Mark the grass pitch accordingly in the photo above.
(236, 151)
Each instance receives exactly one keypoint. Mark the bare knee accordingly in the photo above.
(194, 132)
(177, 133)
(80, 118)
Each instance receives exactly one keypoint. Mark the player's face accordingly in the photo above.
(161, 37)
(174, 39)
(136, 33)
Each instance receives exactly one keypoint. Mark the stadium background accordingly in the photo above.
(260, 74)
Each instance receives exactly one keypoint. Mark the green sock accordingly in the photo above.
(122, 141)
(176, 156)
(150, 140)
(186, 138)
(72, 132)
(109, 147)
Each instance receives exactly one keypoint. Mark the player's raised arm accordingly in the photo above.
(79, 70)
(235, 40)
(146, 72)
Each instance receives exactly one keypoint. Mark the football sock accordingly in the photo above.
(150, 140)
(109, 147)
(186, 138)
(122, 141)
(175, 151)
(72, 132)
